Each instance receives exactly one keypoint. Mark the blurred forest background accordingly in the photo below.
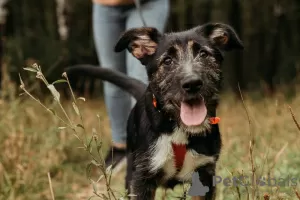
(58, 33)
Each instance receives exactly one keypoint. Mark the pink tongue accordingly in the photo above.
(193, 115)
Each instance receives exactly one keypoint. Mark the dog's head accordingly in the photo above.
(184, 68)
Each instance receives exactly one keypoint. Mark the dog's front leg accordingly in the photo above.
(206, 175)
(143, 190)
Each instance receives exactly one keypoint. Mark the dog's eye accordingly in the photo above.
(167, 61)
(203, 54)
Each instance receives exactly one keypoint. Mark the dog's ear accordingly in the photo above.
(221, 35)
(140, 42)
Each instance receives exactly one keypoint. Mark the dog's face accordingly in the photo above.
(184, 68)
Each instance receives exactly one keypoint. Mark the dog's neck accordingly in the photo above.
(164, 124)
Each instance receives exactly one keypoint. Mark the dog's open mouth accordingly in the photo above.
(193, 112)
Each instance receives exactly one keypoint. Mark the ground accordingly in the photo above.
(32, 145)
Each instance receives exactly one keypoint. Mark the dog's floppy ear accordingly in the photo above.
(221, 35)
(140, 42)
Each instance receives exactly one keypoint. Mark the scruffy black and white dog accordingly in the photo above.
(171, 129)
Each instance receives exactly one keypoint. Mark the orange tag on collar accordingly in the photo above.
(154, 102)
(214, 120)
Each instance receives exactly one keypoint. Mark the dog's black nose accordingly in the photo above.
(192, 84)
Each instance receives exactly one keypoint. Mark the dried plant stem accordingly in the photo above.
(65, 75)
(75, 102)
(108, 188)
(41, 76)
(39, 102)
(251, 143)
(165, 194)
(99, 162)
(238, 192)
(297, 193)
(294, 118)
(49, 70)
(102, 169)
(110, 173)
(64, 111)
(50, 185)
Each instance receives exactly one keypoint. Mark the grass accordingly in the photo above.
(38, 150)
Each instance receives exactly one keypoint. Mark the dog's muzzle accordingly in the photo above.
(191, 84)
(193, 110)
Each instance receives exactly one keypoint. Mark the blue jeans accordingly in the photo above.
(109, 22)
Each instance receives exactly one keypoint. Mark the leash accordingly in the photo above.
(138, 7)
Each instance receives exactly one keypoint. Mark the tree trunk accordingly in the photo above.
(235, 19)
(3, 13)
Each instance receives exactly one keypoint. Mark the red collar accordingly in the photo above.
(180, 149)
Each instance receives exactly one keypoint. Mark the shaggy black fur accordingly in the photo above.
(182, 67)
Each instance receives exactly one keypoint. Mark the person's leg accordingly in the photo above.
(155, 13)
(108, 24)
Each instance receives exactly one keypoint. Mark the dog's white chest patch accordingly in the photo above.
(163, 157)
